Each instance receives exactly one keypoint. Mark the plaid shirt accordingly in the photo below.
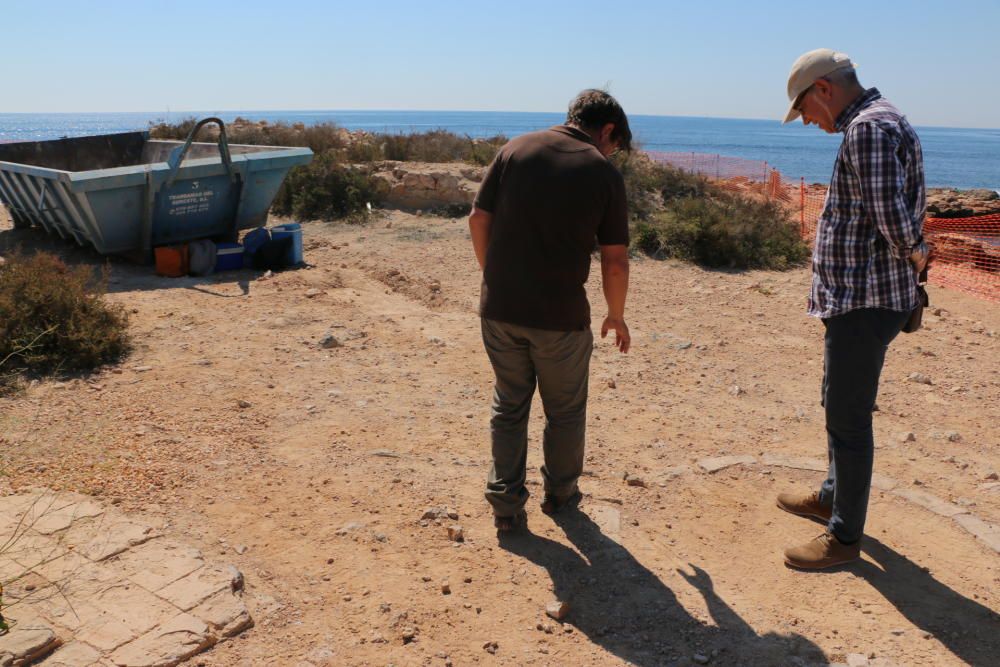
(873, 216)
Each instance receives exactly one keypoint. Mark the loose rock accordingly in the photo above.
(455, 534)
(557, 609)
(329, 341)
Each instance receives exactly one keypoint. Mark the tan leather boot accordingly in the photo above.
(804, 504)
(822, 552)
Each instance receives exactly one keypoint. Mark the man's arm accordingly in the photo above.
(479, 229)
(614, 275)
(881, 177)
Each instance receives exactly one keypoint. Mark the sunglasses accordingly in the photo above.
(798, 100)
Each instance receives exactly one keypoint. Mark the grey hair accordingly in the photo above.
(846, 77)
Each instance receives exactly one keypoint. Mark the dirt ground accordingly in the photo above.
(235, 426)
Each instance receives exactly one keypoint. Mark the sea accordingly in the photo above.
(953, 157)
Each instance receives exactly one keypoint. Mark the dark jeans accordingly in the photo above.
(559, 363)
(856, 343)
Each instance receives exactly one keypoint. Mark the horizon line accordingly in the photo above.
(636, 115)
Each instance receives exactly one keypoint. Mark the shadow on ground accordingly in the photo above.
(970, 630)
(124, 275)
(627, 610)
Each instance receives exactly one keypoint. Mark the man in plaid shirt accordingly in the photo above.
(868, 253)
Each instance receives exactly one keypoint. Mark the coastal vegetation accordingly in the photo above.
(673, 213)
(54, 319)
(681, 215)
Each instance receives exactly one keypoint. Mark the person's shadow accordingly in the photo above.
(626, 609)
(968, 629)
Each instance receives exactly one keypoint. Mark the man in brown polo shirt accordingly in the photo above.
(546, 200)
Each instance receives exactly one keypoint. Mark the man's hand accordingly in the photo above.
(622, 337)
(919, 257)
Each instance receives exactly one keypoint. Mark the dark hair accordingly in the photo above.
(593, 108)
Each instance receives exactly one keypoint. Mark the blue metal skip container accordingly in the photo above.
(127, 193)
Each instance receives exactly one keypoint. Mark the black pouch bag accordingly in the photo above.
(272, 254)
(923, 301)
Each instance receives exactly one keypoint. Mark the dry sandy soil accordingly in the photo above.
(232, 424)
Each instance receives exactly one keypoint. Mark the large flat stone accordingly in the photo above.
(74, 654)
(986, 533)
(224, 613)
(717, 463)
(61, 516)
(200, 585)
(101, 540)
(139, 609)
(930, 502)
(59, 566)
(169, 644)
(105, 631)
(160, 562)
(30, 549)
(796, 462)
(27, 644)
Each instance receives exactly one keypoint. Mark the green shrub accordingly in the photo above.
(723, 230)
(325, 189)
(650, 185)
(438, 146)
(54, 318)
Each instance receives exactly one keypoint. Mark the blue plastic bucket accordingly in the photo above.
(293, 230)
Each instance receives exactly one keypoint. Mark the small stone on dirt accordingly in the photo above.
(329, 341)
(455, 534)
(737, 390)
(919, 378)
(557, 609)
(700, 658)
(491, 647)
(635, 480)
(446, 588)
(907, 437)
(310, 293)
(243, 404)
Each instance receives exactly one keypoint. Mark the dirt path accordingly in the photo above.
(233, 423)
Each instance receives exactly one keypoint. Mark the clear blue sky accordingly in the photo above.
(938, 61)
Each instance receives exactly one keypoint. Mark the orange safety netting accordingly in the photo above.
(966, 250)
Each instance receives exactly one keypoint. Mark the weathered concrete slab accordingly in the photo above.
(74, 654)
(717, 463)
(169, 644)
(139, 609)
(224, 613)
(200, 585)
(930, 502)
(99, 581)
(986, 533)
(26, 644)
(102, 540)
(796, 462)
(62, 515)
(158, 563)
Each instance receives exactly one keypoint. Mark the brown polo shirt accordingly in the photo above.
(551, 194)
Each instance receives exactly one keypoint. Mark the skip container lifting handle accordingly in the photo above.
(178, 155)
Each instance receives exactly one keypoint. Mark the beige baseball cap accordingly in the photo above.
(809, 67)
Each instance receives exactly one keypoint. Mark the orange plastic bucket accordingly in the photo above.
(172, 261)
